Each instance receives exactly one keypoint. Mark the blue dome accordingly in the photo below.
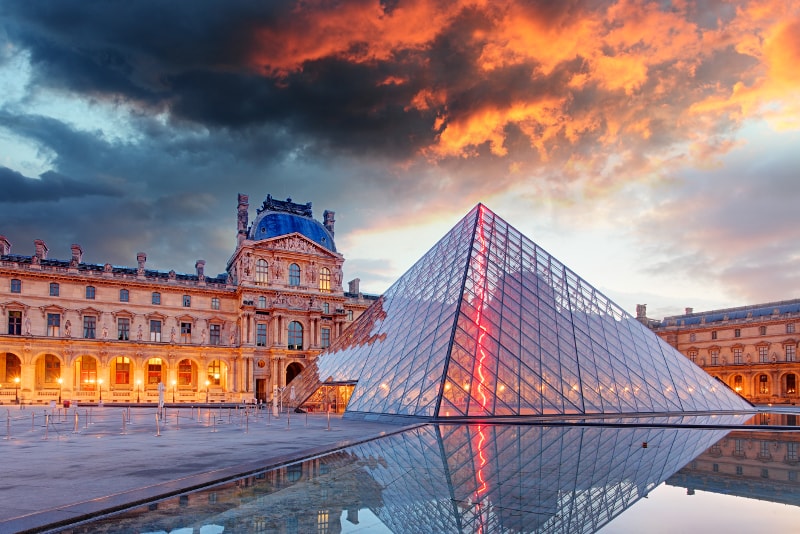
(269, 224)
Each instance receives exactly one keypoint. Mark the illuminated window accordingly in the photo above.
(87, 371)
(325, 337)
(155, 330)
(90, 291)
(294, 275)
(16, 286)
(214, 334)
(737, 356)
(295, 336)
(185, 373)
(52, 369)
(15, 323)
(53, 324)
(154, 371)
(54, 289)
(791, 383)
(187, 301)
(156, 297)
(763, 354)
(261, 335)
(791, 352)
(122, 370)
(738, 383)
(325, 280)
(186, 332)
(262, 272)
(123, 329)
(763, 385)
(214, 303)
(215, 373)
(89, 326)
(124, 295)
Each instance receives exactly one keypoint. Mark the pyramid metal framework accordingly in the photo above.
(488, 324)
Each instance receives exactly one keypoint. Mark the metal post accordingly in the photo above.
(33, 416)
(75, 430)
(177, 419)
(158, 427)
(269, 417)
(124, 423)
(86, 419)
(246, 423)
(129, 414)
(329, 417)
(8, 424)
(46, 424)
(287, 419)
(215, 423)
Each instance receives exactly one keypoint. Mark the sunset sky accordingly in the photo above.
(651, 146)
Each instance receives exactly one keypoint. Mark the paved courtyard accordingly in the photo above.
(59, 465)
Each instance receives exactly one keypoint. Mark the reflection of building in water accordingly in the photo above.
(760, 465)
(83, 331)
(753, 348)
(447, 478)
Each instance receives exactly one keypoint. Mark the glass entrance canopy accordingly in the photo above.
(488, 324)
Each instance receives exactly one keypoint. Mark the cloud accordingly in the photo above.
(49, 187)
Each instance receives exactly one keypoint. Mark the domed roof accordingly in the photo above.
(278, 218)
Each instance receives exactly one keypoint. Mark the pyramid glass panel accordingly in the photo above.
(489, 324)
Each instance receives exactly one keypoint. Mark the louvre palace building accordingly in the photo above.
(90, 332)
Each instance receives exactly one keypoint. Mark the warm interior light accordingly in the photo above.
(174, 382)
(60, 380)
(16, 379)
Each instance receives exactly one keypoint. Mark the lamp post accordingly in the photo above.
(173, 390)
(100, 385)
(207, 384)
(60, 382)
(16, 390)
(138, 388)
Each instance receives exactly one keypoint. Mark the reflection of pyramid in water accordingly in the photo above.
(488, 324)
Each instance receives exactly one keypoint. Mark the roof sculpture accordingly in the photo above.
(488, 324)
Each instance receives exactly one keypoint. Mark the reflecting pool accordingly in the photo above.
(560, 477)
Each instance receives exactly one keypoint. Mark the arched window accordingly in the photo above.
(295, 336)
(87, 373)
(154, 369)
(185, 373)
(763, 384)
(738, 383)
(52, 369)
(262, 272)
(325, 279)
(13, 367)
(122, 370)
(294, 275)
(215, 373)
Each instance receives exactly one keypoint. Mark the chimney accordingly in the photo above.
(689, 311)
(354, 285)
(328, 220)
(41, 249)
(5, 246)
(140, 259)
(77, 253)
(241, 224)
(200, 266)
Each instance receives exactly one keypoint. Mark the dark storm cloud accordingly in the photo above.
(50, 186)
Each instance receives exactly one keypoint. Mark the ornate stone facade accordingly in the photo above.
(752, 349)
(70, 330)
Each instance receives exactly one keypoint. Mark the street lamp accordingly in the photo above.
(207, 384)
(100, 385)
(16, 390)
(173, 390)
(60, 381)
(138, 388)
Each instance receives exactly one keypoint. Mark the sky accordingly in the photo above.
(651, 146)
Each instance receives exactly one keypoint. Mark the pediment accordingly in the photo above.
(14, 305)
(295, 242)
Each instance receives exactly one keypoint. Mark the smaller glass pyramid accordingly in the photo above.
(487, 324)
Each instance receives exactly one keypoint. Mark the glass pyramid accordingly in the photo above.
(488, 324)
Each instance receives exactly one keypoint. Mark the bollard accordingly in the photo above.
(124, 423)
(177, 420)
(229, 412)
(329, 418)
(90, 416)
(214, 429)
(129, 414)
(33, 415)
(246, 423)
(158, 427)
(306, 417)
(269, 418)
(8, 424)
(287, 419)
(75, 430)
(46, 425)
(85, 418)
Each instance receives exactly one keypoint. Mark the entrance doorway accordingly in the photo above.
(261, 389)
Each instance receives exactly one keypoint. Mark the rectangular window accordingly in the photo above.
(326, 308)
(154, 371)
(791, 352)
(185, 373)
(262, 302)
(763, 385)
(737, 356)
(187, 301)
(791, 451)
(713, 334)
(89, 326)
(124, 295)
(261, 335)
(738, 447)
(123, 371)
(155, 330)
(54, 289)
(715, 468)
(762, 330)
(789, 326)
(15, 323)
(53, 324)
(325, 337)
(739, 470)
(349, 315)
(214, 303)
(216, 330)
(714, 357)
(90, 292)
(16, 286)
(737, 332)
(763, 354)
(186, 332)
(156, 297)
(123, 329)
(693, 356)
